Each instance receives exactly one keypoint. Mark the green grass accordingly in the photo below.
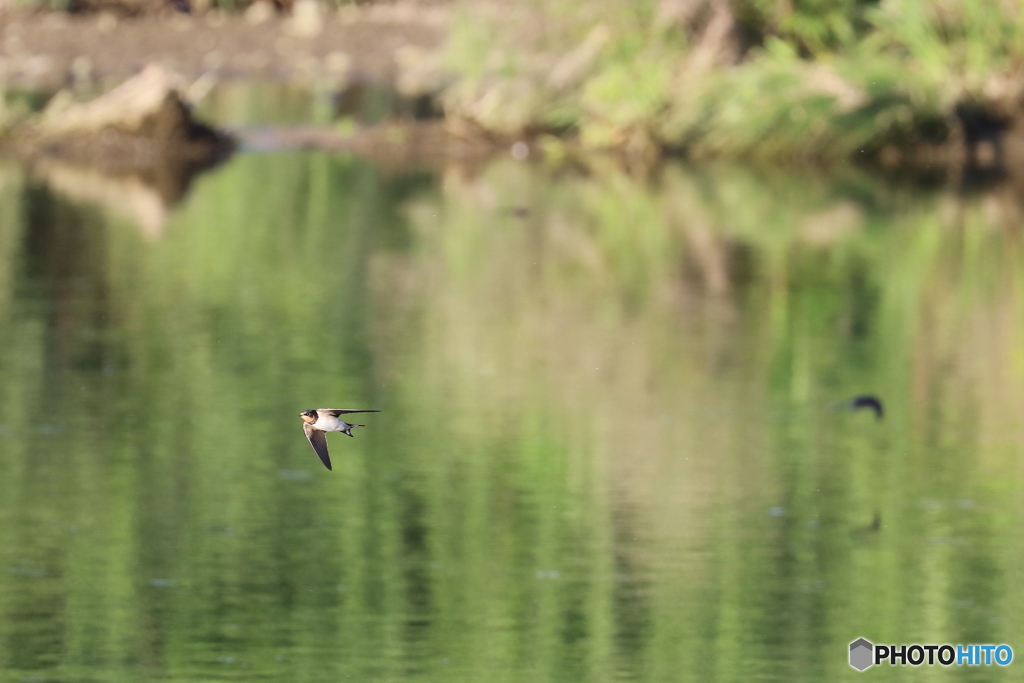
(823, 79)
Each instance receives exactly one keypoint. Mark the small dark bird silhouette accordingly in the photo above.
(864, 401)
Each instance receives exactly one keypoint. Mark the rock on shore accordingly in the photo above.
(143, 123)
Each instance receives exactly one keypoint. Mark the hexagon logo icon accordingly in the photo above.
(861, 651)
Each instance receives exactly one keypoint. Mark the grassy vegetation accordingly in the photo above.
(744, 78)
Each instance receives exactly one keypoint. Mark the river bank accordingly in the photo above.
(697, 79)
(43, 50)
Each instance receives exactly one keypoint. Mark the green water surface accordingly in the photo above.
(606, 452)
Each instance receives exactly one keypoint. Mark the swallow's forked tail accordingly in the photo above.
(348, 428)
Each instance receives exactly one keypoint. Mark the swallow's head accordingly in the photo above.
(308, 416)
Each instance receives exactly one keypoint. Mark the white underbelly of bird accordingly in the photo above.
(329, 423)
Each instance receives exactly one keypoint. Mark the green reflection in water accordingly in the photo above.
(606, 452)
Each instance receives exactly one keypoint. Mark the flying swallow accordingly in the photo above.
(864, 401)
(316, 424)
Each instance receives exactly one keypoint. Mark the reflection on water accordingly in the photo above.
(128, 196)
(606, 451)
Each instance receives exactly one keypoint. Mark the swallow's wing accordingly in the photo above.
(342, 411)
(864, 401)
(318, 440)
(871, 402)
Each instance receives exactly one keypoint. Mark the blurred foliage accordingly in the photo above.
(814, 26)
(605, 452)
(810, 78)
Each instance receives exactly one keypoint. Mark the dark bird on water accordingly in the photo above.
(316, 424)
(864, 401)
